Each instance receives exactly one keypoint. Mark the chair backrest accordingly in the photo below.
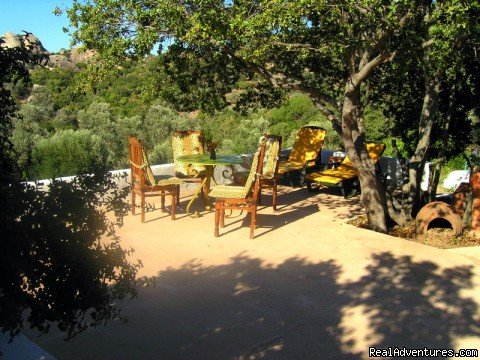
(141, 173)
(255, 170)
(189, 142)
(273, 146)
(308, 144)
(375, 151)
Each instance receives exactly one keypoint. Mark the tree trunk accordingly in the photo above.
(441, 156)
(417, 161)
(354, 140)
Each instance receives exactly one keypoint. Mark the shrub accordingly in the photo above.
(69, 153)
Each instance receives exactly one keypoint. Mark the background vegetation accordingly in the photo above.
(63, 128)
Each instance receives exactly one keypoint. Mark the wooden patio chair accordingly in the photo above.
(269, 178)
(236, 197)
(305, 153)
(145, 184)
(189, 142)
(345, 175)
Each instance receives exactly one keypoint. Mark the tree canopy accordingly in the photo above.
(326, 49)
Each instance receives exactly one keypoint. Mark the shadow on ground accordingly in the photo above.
(297, 310)
(293, 204)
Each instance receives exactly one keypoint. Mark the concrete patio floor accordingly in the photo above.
(308, 286)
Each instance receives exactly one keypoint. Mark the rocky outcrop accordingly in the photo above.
(78, 55)
(66, 59)
(61, 61)
(29, 40)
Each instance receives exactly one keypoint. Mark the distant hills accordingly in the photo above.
(66, 59)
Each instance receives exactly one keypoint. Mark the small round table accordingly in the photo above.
(209, 164)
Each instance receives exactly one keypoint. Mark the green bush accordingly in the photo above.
(236, 133)
(159, 123)
(375, 125)
(69, 153)
(297, 108)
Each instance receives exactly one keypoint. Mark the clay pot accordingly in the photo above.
(475, 184)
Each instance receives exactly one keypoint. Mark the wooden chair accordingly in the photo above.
(145, 184)
(189, 142)
(269, 178)
(305, 152)
(236, 197)
(345, 176)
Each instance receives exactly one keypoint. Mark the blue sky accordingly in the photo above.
(36, 16)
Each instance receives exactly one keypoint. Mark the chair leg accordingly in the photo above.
(133, 203)
(162, 201)
(217, 219)
(143, 207)
(222, 217)
(253, 220)
(303, 174)
(178, 194)
(309, 186)
(173, 203)
(274, 196)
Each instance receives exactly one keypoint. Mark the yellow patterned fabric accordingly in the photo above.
(346, 170)
(229, 191)
(187, 143)
(272, 149)
(157, 180)
(237, 192)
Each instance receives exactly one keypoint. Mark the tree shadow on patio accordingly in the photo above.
(325, 198)
(415, 304)
(247, 309)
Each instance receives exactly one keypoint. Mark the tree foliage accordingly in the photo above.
(61, 261)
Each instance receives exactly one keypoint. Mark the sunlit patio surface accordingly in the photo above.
(308, 286)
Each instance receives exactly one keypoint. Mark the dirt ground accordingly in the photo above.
(437, 237)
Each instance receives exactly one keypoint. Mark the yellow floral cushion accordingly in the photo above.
(229, 191)
(167, 180)
(270, 159)
(157, 179)
(237, 192)
(188, 143)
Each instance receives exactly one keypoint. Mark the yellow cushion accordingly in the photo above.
(375, 151)
(286, 166)
(272, 149)
(333, 176)
(187, 143)
(308, 143)
(167, 180)
(345, 171)
(229, 191)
